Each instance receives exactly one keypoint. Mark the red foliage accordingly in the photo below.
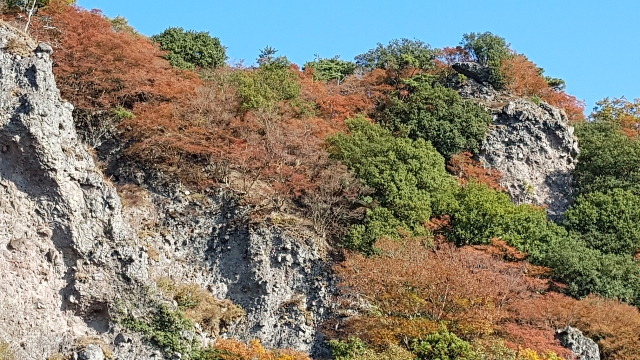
(96, 67)
(414, 288)
(523, 79)
(465, 168)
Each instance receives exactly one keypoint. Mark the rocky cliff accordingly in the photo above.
(531, 143)
(73, 262)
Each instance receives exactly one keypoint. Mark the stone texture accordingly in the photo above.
(91, 352)
(583, 347)
(280, 275)
(535, 149)
(479, 73)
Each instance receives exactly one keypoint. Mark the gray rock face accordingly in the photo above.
(583, 347)
(91, 352)
(64, 247)
(280, 275)
(535, 149)
(477, 72)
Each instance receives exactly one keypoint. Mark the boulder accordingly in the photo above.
(583, 347)
(478, 72)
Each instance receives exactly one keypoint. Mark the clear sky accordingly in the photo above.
(593, 45)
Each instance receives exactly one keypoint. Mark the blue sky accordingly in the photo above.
(593, 45)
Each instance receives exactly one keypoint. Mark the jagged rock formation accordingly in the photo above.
(59, 220)
(68, 256)
(280, 275)
(535, 149)
(532, 144)
(583, 347)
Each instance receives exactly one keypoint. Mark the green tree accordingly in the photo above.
(333, 69)
(488, 50)
(586, 270)
(271, 82)
(408, 177)
(609, 222)
(191, 49)
(438, 114)
(608, 158)
(399, 56)
(484, 213)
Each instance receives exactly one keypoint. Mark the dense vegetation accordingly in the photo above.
(377, 153)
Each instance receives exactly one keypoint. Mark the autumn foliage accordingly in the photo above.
(229, 349)
(407, 291)
(522, 78)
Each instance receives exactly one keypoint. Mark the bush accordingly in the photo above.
(442, 345)
(488, 50)
(330, 69)
(273, 81)
(586, 270)
(191, 49)
(608, 157)
(408, 177)
(401, 58)
(437, 114)
(609, 222)
(484, 213)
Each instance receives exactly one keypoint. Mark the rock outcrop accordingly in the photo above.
(534, 147)
(583, 347)
(59, 220)
(477, 72)
(531, 143)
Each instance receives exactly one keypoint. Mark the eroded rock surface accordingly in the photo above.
(583, 347)
(535, 149)
(59, 220)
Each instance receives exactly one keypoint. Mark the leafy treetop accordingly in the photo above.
(191, 49)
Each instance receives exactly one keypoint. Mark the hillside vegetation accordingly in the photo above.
(377, 155)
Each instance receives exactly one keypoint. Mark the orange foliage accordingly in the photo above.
(409, 289)
(96, 67)
(339, 101)
(255, 351)
(465, 168)
(614, 325)
(413, 288)
(523, 79)
(448, 56)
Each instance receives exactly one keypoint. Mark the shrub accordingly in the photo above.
(586, 270)
(164, 329)
(408, 178)
(488, 50)
(263, 88)
(333, 69)
(437, 114)
(524, 78)
(200, 306)
(484, 213)
(442, 345)
(608, 158)
(401, 58)
(609, 222)
(191, 49)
